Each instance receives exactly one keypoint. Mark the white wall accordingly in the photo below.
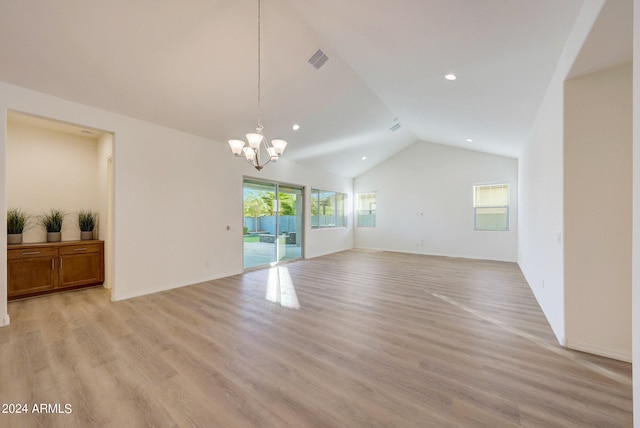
(49, 169)
(104, 154)
(175, 194)
(105, 222)
(164, 180)
(424, 203)
(597, 212)
(636, 216)
(540, 250)
(540, 234)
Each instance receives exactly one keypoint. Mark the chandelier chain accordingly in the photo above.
(258, 151)
(259, 79)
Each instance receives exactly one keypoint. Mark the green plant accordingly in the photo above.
(87, 220)
(52, 221)
(16, 221)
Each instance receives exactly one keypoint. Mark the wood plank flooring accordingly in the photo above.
(354, 339)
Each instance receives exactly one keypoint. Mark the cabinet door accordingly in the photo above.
(81, 265)
(31, 275)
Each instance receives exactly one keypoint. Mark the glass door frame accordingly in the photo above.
(282, 240)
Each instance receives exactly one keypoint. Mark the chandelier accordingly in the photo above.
(257, 151)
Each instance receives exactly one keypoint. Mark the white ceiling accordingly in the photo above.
(191, 65)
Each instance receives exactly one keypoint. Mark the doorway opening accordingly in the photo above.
(273, 214)
(74, 165)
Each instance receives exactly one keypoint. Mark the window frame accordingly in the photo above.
(370, 209)
(507, 207)
(339, 199)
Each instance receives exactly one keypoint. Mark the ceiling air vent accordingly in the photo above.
(318, 59)
(395, 127)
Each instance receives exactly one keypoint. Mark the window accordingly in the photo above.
(491, 207)
(327, 209)
(366, 209)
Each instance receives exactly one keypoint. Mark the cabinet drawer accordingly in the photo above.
(25, 253)
(79, 249)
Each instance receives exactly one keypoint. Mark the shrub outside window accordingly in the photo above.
(327, 209)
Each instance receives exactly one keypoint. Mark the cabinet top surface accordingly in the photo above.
(52, 244)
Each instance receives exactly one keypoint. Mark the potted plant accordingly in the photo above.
(52, 223)
(86, 221)
(16, 223)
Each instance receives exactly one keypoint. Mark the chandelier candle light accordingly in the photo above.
(252, 150)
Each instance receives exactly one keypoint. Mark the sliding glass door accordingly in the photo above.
(290, 210)
(272, 222)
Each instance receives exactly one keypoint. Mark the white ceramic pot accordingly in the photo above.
(14, 238)
(54, 236)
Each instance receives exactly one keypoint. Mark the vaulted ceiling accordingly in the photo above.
(192, 65)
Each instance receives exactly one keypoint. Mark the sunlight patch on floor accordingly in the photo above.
(280, 288)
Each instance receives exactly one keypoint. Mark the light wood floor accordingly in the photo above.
(379, 339)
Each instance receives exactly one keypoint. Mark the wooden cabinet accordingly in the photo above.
(48, 267)
(81, 264)
(31, 270)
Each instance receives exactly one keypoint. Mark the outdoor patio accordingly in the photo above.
(262, 253)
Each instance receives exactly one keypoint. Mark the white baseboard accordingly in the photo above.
(5, 321)
(314, 255)
(427, 253)
(143, 291)
(616, 354)
(561, 339)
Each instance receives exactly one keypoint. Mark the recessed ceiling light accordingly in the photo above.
(469, 140)
(295, 127)
(86, 132)
(364, 158)
(450, 76)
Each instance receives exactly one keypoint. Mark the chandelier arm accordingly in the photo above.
(256, 164)
(255, 161)
(258, 152)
